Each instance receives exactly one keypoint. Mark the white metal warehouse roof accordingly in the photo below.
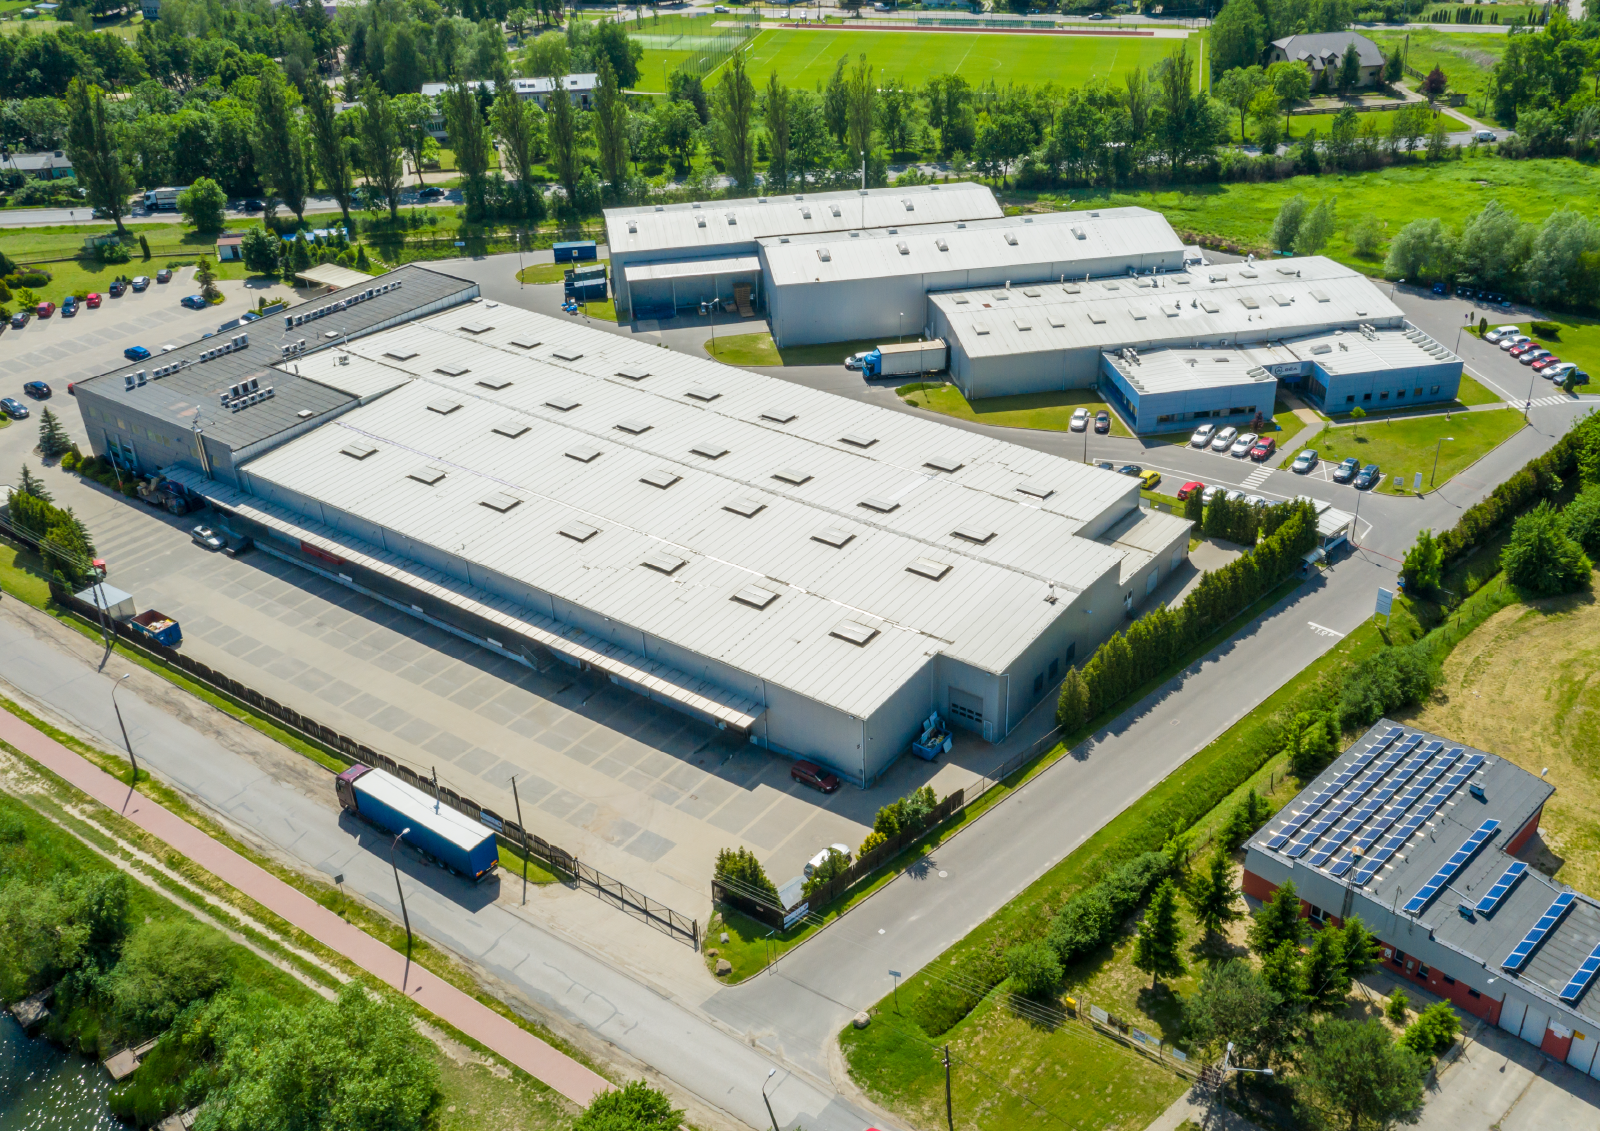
(691, 268)
(1266, 300)
(706, 224)
(569, 426)
(1066, 239)
(1353, 351)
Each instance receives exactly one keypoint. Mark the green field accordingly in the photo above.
(1301, 124)
(1465, 57)
(806, 57)
(1405, 447)
(1243, 212)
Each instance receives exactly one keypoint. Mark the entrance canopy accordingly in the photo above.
(657, 289)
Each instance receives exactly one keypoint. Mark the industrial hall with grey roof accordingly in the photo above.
(815, 573)
(1424, 838)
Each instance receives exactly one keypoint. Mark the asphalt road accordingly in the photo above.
(717, 1047)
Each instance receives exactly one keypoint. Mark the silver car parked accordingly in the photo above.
(1224, 439)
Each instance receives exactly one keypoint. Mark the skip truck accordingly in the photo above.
(907, 359)
(450, 837)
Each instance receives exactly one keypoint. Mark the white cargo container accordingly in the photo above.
(905, 359)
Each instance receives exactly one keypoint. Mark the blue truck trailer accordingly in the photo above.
(454, 839)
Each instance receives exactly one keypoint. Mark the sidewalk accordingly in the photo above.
(444, 1001)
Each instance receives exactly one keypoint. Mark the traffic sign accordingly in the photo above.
(1385, 600)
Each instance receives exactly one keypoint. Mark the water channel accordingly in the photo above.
(45, 1088)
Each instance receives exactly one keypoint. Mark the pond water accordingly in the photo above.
(45, 1088)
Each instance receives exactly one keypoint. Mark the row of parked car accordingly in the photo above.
(15, 409)
(70, 305)
(1080, 421)
(1516, 344)
(1231, 440)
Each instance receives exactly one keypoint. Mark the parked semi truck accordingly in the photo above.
(164, 199)
(904, 360)
(452, 838)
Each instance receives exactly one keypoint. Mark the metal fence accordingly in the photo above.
(507, 832)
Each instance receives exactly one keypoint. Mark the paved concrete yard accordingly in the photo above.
(635, 789)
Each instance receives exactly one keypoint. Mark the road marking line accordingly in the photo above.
(1323, 630)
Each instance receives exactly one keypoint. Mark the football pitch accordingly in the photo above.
(804, 58)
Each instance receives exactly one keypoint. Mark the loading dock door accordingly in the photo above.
(1534, 1025)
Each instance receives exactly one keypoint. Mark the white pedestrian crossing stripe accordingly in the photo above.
(1257, 477)
(1549, 400)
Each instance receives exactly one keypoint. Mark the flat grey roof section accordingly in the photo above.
(1354, 351)
(1202, 303)
(985, 611)
(1020, 241)
(197, 386)
(677, 226)
(1179, 371)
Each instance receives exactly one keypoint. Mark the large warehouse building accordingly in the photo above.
(668, 257)
(1317, 326)
(1420, 837)
(817, 574)
(871, 284)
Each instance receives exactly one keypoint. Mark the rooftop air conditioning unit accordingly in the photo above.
(127, 380)
(288, 321)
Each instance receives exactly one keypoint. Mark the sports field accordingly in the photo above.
(806, 57)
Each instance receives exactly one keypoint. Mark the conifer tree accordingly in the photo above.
(1160, 937)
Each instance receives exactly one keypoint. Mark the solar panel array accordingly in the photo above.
(1451, 866)
(1372, 863)
(1581, 979)
(1296, 822)
(1392, 814)
(1377, 800)
(1519, 956)
(1491, 898)
(1355, 793)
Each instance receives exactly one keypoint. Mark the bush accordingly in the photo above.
(1582, 517)
(908, 814)
(635, 1107)
(1433, 1032)
(1383, 683)
(1396, 1005)
(1089, 918)
(1247, 816)
(1541, 329)
(114, 252)
(165, 967)
(1541, 558)
(739, 869)
(1033, 969)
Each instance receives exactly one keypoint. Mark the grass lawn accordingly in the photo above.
(1302, 124)
(23, 575)
(1522, 684)
(169, 243)
(1397, 195)
(745, 349)
(606, 310)
(550, 272)
(1050, 412)
(1405, 446)
(805, 57)
(1465, 57)
(1471, 393)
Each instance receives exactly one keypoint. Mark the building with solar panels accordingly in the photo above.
(1421, 836)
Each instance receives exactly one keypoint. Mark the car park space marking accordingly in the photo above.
(1323, 630)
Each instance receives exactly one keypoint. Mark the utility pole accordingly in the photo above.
(124, 729)
(1436, 448)
(524, 829)
(949, 1111)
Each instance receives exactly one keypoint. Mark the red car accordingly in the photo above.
(45, 309)
(1546, 362)
(809, 773)
(1518, 351)
(1263, 449)
(1190, 488)
(92, 300)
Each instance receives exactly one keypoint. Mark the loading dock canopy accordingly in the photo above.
(691, 269)
(332, 275)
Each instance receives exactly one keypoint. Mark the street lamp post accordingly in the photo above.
(123, 727)
(393, 845)
(1436, 448)
(766, 1101)
(1528, 403)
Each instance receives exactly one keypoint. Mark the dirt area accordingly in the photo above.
(1526, 686)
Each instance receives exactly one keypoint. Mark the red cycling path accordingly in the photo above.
(444, 1001)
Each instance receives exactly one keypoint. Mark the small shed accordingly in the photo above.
(108, 597)
(229, 245)
(573, 251)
